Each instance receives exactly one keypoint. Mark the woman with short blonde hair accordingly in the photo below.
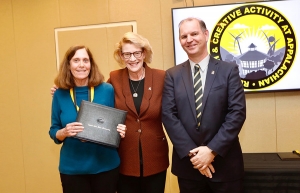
(136, 39)
(138, 90)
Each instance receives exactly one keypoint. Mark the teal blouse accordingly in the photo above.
(77, 157)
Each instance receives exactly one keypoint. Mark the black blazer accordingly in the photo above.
(223, 115)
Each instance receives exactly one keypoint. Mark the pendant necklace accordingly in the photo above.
(135, 94)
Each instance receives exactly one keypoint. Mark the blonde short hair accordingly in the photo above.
(137, 40)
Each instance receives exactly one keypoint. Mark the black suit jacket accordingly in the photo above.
(223, 115)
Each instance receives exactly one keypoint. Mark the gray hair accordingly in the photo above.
(201, 22)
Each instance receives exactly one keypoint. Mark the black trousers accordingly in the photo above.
(104, 182)
(149, 184)
(206, 186)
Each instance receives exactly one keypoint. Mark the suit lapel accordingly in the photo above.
(127, 92)
(212, 70)
(147, 89)
(189, 85)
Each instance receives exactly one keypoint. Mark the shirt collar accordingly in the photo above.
(203, 63)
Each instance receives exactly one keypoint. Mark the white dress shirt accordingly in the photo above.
(203, 69)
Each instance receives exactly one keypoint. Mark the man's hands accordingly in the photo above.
(201, 158)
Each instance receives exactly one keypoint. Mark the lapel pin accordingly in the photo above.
(212, 72)
(149, 88)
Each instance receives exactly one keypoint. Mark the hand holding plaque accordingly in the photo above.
(100, 123)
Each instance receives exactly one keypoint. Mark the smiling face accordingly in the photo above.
(133, 64)
(193, 40)
(80, 67)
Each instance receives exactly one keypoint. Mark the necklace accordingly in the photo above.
(135, 94)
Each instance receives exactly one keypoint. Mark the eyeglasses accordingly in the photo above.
(136, 54)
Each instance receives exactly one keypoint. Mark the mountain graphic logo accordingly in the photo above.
(257, 38)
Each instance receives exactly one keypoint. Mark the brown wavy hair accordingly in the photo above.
(65, 79)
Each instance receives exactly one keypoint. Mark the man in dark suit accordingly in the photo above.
(206, 157)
